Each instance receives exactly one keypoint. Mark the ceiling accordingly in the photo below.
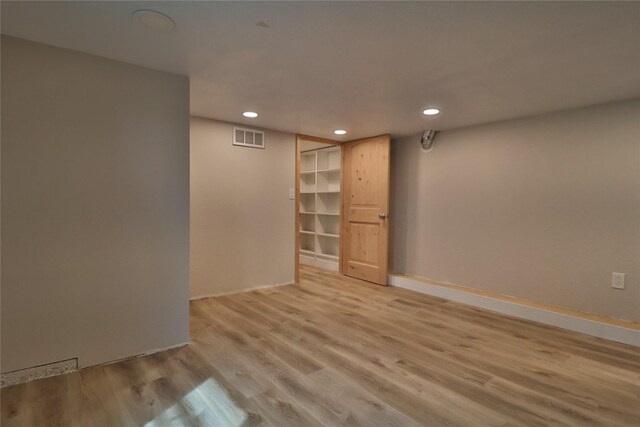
(367, 67)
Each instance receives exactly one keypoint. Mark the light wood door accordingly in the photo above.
(365, 233)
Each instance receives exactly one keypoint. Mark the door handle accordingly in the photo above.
(382, 215)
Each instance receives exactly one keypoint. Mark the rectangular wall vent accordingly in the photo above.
(248, 137)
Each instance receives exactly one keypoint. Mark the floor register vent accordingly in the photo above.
(37, 372)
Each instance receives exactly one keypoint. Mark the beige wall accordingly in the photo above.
(242, 222)
(544, 208)
(95, 207)
(312, 145)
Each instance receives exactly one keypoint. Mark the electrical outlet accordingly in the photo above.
(617, 280)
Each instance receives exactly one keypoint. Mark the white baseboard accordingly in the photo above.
(158, 350)
(562, 320)
(319, 263)
(220, 294)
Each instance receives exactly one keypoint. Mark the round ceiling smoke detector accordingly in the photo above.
(154, 20)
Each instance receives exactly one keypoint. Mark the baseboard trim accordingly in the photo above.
(255, 288)
(609, 331)
(319, 263)
(158, 350)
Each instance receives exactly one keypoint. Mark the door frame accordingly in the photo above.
(299, 138)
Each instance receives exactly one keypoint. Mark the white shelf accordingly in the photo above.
(307, 242)
(308, 183)
(307, 223)
(328, 182)
(307, 162)
(308, 202)
(320, 206)
(324, 234)
(326, 246)
(328, 202)
(329, 158)
(327, 224)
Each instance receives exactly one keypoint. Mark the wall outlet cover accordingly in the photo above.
(617, 280)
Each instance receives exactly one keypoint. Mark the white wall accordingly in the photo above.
(544, 208)
(242, 222)
(95, 207)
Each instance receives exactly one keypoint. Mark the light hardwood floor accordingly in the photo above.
(335, 352)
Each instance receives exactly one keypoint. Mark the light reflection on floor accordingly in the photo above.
(208, 405)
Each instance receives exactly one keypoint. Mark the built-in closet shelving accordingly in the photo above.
(320, 207)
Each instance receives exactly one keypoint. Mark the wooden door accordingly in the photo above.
(365, 198)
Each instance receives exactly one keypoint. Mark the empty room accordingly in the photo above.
(320, 213)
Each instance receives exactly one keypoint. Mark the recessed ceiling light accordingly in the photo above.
(250, 114)
(154, 20)
(430, 111)
(340, 132)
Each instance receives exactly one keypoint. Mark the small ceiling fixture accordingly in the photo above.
(340, 132)
(430, 111)
(250, 114)
(154, 20)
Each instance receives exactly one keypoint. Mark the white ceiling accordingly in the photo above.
(368, 67)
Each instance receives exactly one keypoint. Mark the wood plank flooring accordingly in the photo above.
(337, 352)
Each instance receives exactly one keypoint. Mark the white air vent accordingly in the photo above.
(248, 137)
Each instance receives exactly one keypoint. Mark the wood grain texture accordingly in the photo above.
(297, 213)
(335, 351)
(366, 205)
